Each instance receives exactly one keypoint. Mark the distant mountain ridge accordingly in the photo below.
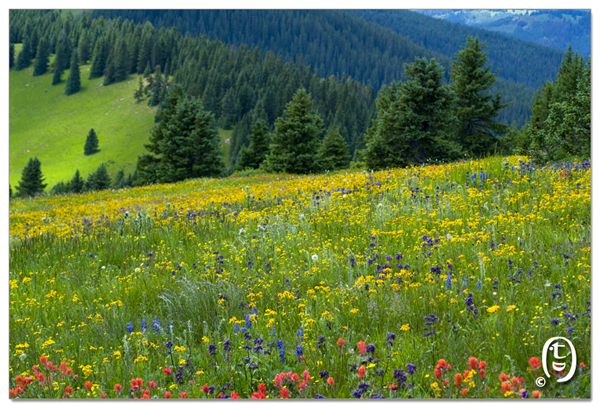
(553, 28)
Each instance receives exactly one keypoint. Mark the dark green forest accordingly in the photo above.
(365, 44)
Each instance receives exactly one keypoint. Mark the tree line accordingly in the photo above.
(334, 42)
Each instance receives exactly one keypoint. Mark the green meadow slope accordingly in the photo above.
(46, 123)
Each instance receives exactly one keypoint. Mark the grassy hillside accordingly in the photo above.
(46, 123)
(356, 275)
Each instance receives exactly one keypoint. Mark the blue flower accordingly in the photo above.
(144, 324)
(129, 328)
(156, 324)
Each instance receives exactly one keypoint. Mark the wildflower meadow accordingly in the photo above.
(440, 281)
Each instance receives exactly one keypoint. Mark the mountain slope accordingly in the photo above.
(521, 61)
(46, 123)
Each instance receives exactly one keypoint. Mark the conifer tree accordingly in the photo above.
(32, 180)
(109, 76)
(295, 143)
(41, 58)
(251, 157)
(475, 108)
(83, 49)
(121, 61)
(139, 92)
(58, 65)
(99, 58)
(147, 71)
(413, 120)
(333, 152)
(59, 188)
(156, 87)
(73, 80)
(77, 183)
(91, 143)
(11, 58)
(183, 144)
(99, 180)
(553, 133)
(56, 76)
(119, 181)
(24, 57)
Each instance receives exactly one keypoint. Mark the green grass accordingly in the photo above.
(46, 123)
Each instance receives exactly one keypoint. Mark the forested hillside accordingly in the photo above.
(333, 42)
(513, 57)
(237, 85)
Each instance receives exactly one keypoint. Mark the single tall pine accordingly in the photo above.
(333, 153)
(77, 183)
(99, 180)
(296, 140)
(139, 92)
(41, 58)
(91, 143)
(156, 87)
(24, 57)
(73, 80)
(475, 108)
(251, 157)
(32, 180)
(413, 120)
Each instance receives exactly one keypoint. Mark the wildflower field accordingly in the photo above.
(426, 282)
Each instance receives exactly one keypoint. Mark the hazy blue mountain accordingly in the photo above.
(553, 28)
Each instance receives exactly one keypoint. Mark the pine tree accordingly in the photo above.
(147, 71)
(183, 144)
(57, 76)
(156, 87)
(333, 153)
(203, 144)
(109, 76)
(99, 180)
(91, 143)
(552, 114)
(476, 109)
(121, 60)
(139, 92)
(296, 140)
(41, 58)
(59, 188)
(11, 58)
(77, 183)
(24, 57)
(73, 80)
(251, 157)
(32, 180)
(119, 181)
(99, 58)
(413, 120)
(83, 49)
(59, 63)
